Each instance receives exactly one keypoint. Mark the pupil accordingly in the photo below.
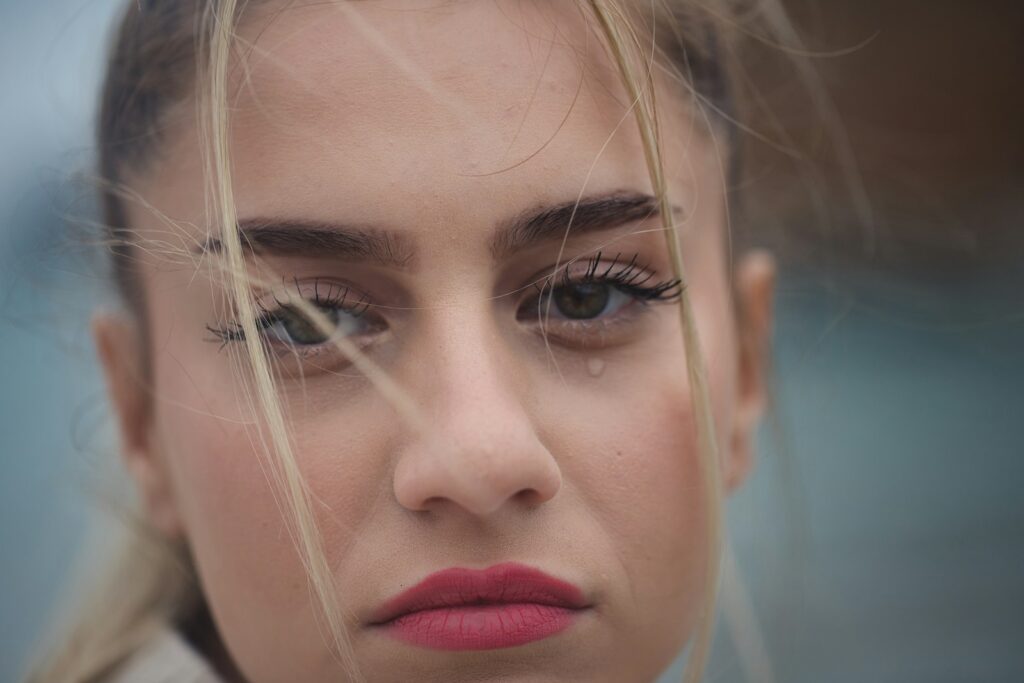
(582, 301)
(303, 331)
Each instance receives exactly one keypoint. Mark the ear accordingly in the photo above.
(755, 290)
(119, 345)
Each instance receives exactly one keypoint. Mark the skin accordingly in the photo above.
(577, 456)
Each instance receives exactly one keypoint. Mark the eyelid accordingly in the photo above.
(628, 274)
(318, 291)
(325, 294)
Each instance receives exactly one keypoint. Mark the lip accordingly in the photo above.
(481, 609)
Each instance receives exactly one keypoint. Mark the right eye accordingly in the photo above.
(287, 325)
(285, 329)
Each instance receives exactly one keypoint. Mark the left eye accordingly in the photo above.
(582, 301)
(288, 326)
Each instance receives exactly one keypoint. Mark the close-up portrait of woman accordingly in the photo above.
(433, 340)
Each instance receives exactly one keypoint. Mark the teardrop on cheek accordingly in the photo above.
(595, 366)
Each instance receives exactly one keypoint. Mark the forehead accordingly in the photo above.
(415, 71)
(429, 97)
(415, 114)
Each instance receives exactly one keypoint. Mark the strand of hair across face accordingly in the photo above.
(624, 46)
(283, 467)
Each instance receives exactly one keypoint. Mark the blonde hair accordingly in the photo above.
(163, 48)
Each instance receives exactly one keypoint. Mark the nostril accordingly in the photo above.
(432, 503)
(529, 497)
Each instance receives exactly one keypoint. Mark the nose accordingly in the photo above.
(481, 449)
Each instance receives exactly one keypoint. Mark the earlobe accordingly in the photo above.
(755, 291)
(120, 351)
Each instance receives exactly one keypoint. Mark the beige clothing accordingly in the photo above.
(167, 658)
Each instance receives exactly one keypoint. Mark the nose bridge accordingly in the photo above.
(475, 369)
(480, 448)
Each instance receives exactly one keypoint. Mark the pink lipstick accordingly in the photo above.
(470, 609)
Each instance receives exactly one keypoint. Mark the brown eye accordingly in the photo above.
(582, 300)
(577, 301)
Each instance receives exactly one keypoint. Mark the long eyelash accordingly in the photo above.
(231, 332)
(628, 276)
(335, 296)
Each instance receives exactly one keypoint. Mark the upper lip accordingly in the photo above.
(506, 583)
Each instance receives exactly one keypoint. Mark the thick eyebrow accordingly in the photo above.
(587, 215)
(285, 236)
(312, 238)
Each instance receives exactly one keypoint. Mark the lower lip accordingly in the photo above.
(481, 627)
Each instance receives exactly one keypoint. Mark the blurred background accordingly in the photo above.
(882, 537)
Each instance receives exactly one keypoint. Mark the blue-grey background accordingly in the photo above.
(882, 537)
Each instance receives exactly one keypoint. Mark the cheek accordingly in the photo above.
(234, 519)
(632, 458)
(204, 428)
(247, 565)
(641, 472)
(220, 483)
(632, 464)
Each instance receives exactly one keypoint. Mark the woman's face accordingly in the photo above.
(412, 168)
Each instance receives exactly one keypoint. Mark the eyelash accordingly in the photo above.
(335, 297)
(628, 277)
(631, 279)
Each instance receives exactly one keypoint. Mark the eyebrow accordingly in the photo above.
(300, 237)
(314, 238)
(557, 222)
